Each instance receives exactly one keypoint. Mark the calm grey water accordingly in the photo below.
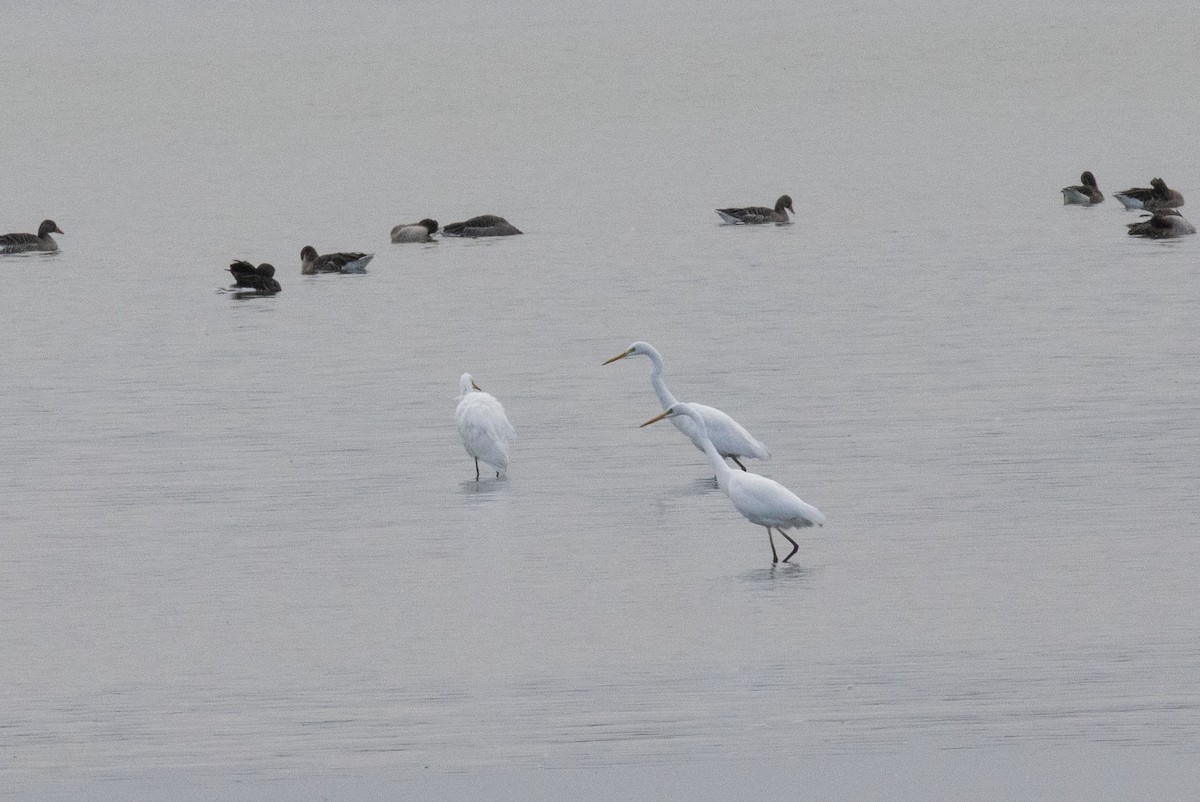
(240, 538)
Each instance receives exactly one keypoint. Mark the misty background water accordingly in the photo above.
(242, 536)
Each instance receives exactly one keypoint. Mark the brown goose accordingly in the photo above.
(1163, 224)
(261, 278)
(1087, 193)
(311, 263)
(415, 232)
(750, 215)
(26, 243)
(1153, 198)
(485, 225)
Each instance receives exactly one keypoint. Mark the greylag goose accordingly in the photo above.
(1086, 193)
(750, 215)
(485, 225)
(1163, 224)
(311, 263)
(261, 278)
(26, 243)
(1154, 198)
(415, 232)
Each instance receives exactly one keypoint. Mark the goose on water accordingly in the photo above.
(750, 215)
(27, 243)
(311, 262)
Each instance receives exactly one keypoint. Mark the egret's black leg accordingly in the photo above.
(739, 464)
(477, 469)
(774, 556)
(795, 546)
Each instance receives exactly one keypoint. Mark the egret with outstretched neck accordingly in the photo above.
(760, 500)
(728, 436)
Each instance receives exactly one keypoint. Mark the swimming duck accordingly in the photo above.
(485, 225)
(1086, 194)
(26, 243)
(759, 214)
(1153, 198)
(332, 262)
(261, 278)
(1163, 224)
(415, 232)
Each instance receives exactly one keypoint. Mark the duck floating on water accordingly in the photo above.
(485, 225)
(753, 215)
(415, 232)
(260, 279)
(29, 243)
(311, 262)
(1154, 198)
(1086, 193)
(1163, 224)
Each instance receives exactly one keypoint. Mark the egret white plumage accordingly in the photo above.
(483, 425)
(728, 436)
(760, 500)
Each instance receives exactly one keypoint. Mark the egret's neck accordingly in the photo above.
(719, 465)
(656, 381)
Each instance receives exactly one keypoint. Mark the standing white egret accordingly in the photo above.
(760, 500)
(730, 437)
(483, 425)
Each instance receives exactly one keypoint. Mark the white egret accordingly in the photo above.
(483, 425)
(730, 437)
(760, 500)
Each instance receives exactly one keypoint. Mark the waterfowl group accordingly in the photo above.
(753, 215)
(1165, 223)
(311, 262)
(31, 243)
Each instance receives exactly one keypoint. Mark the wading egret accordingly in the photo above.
(751, 215)
(311, 262)
(25, 243)
(760, 500)
(483, 425)
(729, 437)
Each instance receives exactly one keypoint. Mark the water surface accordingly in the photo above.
(242, 537)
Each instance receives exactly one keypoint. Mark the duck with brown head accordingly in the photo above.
(1154, 198)
(31, 243)
(753, 215)
(485, 225)
(261, 278)
(415, 232)
(1086, 193)
(1163, 224)
(311, 262)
